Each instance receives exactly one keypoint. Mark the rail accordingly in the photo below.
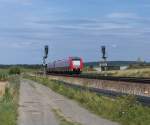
(140, 80)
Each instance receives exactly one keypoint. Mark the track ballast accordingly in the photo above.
(111, 78)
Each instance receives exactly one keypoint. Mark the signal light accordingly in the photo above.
(103, 52)
(46, 51)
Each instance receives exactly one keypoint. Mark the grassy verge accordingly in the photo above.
(124, 109)
(145, 72)
(8, 103)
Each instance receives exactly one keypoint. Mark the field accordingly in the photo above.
(145, 72)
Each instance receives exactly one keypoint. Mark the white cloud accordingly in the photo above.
(94, 26)
(122, 15)
(114, 46)
(23, 2)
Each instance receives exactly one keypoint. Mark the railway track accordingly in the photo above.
(144, 100)
(111, 78)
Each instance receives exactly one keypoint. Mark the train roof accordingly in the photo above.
(75, 57)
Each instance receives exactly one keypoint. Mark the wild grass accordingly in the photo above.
(8, 103)
(145, 72)
(29, 70)
(3, 75)
(124, 110)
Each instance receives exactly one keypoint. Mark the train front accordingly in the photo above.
(76, 64)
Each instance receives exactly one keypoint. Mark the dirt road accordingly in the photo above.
(37, 104)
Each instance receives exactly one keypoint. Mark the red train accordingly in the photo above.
(71, 65)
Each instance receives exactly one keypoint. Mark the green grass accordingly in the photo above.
(4, 70)
(29, 70)
(145, 72)
(124, 110)
(8, 103)
(3, 75)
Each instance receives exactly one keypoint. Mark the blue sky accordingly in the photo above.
(73, 28)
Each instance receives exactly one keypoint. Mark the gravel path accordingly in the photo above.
(38, 101)
(33, 108)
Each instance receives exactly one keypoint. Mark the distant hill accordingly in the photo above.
(113, 63)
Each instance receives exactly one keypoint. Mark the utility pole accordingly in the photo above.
(46, 48)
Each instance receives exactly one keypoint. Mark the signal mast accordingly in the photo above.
(46, 48)
(103, 63)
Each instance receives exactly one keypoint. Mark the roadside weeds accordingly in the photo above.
(9, 103)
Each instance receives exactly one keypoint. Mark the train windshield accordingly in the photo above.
(76, 62)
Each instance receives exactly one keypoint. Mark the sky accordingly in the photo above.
(73, 28)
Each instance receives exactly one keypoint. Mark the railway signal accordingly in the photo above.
(103, 63)
(46, 49)
(103, 52)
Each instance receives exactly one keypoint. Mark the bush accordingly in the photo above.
(14, 70)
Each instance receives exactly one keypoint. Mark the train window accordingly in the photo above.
(76, 62)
